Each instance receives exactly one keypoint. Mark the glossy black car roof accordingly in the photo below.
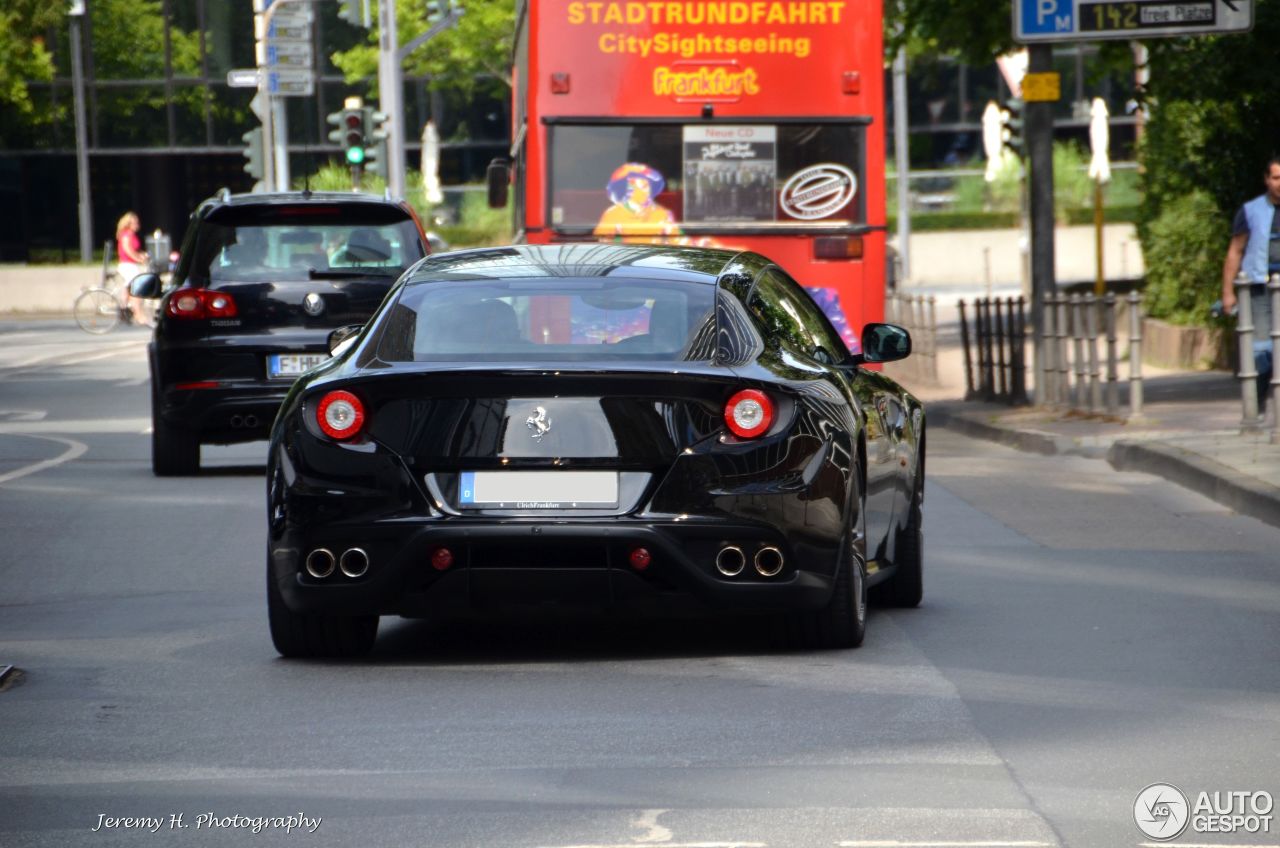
(288, 198)
(692, 264)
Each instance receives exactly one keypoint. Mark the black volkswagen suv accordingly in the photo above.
(262, 281)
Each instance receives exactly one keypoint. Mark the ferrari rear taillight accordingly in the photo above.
(194, 304)
(340, 415)
(748, 413)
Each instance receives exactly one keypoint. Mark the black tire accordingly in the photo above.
(842, 623)
(301, 635)
(906, 587)
(174, 452)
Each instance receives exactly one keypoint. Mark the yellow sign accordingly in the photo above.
(705, 82)
(1043, 87)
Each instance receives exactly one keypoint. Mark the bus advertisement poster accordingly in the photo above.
(730, 173)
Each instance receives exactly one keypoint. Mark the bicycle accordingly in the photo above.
(98, 309)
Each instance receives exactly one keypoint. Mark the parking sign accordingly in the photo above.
(1093, 20)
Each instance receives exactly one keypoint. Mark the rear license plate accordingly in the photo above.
(538, 489)
(292, 364)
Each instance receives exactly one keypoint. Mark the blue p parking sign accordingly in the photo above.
(1046, 17)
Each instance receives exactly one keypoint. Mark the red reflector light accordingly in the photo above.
(640, 558)
(204, 384)
(748, 413)
(441, 559)
(837, 247)
(340, 415)
(191, 304)
(851, 82)
(559, 83)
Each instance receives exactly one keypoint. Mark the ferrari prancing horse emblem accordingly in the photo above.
(539, 423)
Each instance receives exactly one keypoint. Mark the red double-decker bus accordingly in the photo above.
(730, 122)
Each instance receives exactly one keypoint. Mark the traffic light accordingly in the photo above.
(351, 131)
(1013, 131)
(436, 10)
(352, 11)
(254, 153)
(376, 141)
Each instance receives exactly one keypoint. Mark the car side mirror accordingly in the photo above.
(498, 180)
(145, 285)
(341, 339)
(885, 343)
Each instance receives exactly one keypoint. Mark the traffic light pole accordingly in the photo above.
(1039, 135)
(391, 96)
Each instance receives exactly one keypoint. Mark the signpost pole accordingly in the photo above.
(391, 95)
(1039, 135)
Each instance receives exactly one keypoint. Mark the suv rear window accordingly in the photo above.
(553, 319)
(287, 243)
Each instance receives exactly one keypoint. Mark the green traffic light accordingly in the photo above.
(355, 155)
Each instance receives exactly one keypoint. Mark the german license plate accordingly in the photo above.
(538, 489)
(292, 364)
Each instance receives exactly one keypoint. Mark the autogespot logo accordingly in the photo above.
(1161, 812)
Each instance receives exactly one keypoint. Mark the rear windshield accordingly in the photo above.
(560, 319)
(281, 244)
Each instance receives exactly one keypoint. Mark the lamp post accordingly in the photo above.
(76, 14)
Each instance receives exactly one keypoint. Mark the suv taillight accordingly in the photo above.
(194, 304)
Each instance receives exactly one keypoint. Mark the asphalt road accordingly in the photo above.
(1085, 634)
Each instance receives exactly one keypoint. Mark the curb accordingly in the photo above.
(1200, 474)
(1186, 468)
(1031, 441)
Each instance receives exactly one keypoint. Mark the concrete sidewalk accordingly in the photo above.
(1189, 433)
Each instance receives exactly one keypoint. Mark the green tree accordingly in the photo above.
(23, 56)
(478, 48)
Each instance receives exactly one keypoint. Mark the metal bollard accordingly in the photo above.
(1046, 388)
(968, 361)
(1135, 355)
(1244, 341)
(1064, 362)
(1095, 371)
(1113, 384)
(931, 333)
(1273, 288)
(1077, 351)
(1001, 380)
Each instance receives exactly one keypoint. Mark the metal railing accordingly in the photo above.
(919, 316)
(1075, 375)
(995, 366)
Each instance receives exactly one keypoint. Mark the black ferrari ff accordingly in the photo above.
(602, 427)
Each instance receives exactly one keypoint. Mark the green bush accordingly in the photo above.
(478, 225)
(1184, 249)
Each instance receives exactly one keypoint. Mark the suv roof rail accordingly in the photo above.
(224, 194)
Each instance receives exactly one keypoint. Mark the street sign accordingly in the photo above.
(1044, 87)
(291, 83)
(289, 54)
(1131, 20)
(243, 78)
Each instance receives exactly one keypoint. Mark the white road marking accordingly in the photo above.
(10, 415)
(73, 358)
(75, 427)
(893, 843)
(649, 821)
(1203, 845)
(668, 845)
(74, 449)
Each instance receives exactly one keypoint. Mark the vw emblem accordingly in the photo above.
(313, 304)
(539, 423)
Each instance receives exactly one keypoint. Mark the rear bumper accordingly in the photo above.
(233, 412)
(580, 566)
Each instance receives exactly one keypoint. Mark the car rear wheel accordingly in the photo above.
(906, 587)
(842, 623)
(174, 452)
(304, 635)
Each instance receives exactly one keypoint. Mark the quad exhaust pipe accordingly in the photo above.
(731, 561)
(322, 562)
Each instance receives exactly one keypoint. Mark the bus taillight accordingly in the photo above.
(837, 247)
